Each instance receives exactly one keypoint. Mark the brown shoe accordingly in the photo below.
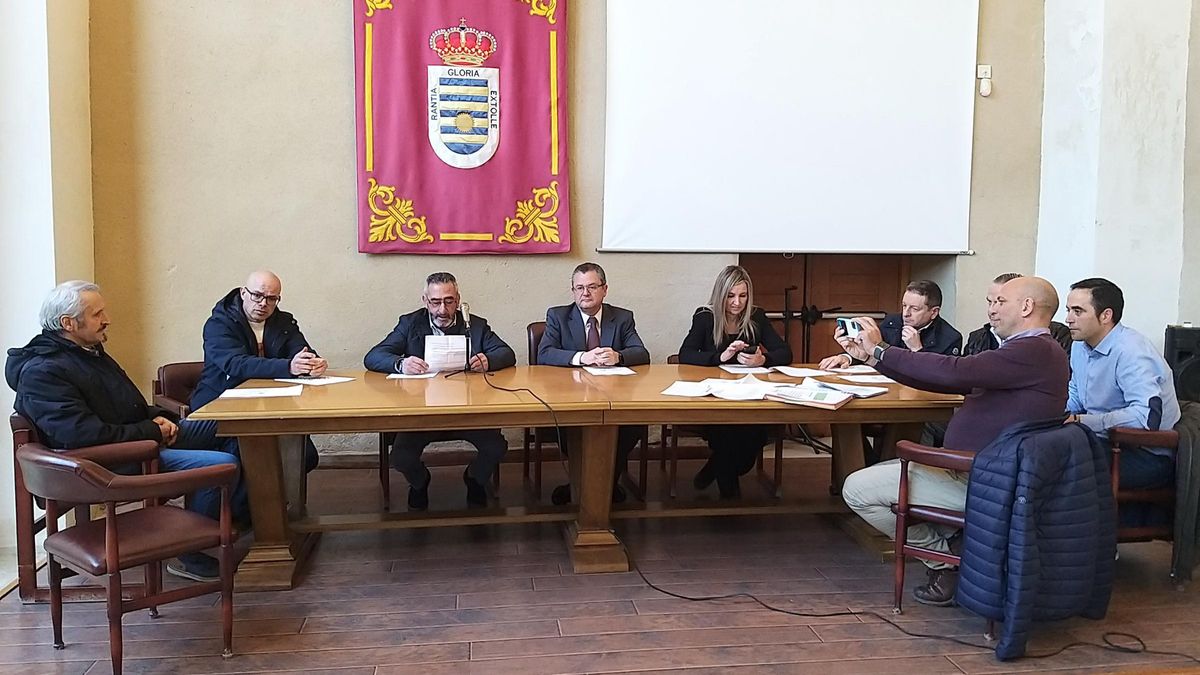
(939, 592)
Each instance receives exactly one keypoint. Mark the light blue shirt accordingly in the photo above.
(1113, 385)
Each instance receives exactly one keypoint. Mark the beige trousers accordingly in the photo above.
(870, 493)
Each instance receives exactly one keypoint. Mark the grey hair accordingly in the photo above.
(440, 278)
(65, 300)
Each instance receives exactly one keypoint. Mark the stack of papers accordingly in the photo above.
(816, 397)
(856, 392)
(749, 388)
(810, 392)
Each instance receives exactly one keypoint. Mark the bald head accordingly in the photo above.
(1022, 304)
(261, 295)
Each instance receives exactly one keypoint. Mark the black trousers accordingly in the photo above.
(410, 445)
(735, 447)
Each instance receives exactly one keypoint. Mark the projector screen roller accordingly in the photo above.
(800, 126)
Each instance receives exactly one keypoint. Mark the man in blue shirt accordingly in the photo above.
(1118, 379)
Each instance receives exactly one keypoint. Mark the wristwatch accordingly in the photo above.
(880, 348)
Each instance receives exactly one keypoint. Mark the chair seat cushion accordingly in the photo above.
(143, 536)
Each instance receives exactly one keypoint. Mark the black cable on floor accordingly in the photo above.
(1108, 645)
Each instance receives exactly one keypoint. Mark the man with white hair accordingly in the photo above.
(76, 396)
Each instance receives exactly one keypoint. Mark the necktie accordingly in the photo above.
(593, 334)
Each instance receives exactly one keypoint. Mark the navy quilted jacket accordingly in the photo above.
(1040, 533)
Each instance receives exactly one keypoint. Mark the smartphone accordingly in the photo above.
(849, 327)
(750, 350)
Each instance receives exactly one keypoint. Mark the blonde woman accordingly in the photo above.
(730, 329)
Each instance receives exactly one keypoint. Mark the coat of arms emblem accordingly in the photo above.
(464, 97)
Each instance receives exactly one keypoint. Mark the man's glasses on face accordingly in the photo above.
(590, 288)
(260, 298)
(439, 302)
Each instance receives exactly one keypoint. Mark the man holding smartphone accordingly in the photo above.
(918, 326)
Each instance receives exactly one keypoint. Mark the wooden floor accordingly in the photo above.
(500, 600)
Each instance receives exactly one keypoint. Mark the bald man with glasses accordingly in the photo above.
(248, 337)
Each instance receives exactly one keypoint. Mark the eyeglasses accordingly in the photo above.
(260, 298)
(590, 288)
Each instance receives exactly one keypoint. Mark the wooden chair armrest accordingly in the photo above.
(942, 458)
(180, 408)
(1143, 438)
(173, 483)
(116, 454)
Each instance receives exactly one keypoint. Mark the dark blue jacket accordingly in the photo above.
(566, 335)
(939, 337)
(408, 339)
(78, 397)
(231, 350)
(1040, 533)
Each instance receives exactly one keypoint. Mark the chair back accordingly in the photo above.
(23, 430)
(535, 331)
(60, 477)
(175, 384)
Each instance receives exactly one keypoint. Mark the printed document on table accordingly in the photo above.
(446, 352)
(868, 379)
(691, 389)
(609, 370)
(406, 376)
(314, 381)
(800, 372)
(263, 392)
(855, 370)
(749, 388)
(744, 370)
(853, 390)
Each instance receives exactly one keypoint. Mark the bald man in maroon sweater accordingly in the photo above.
(1024, 379)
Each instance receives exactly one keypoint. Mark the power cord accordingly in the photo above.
(553, 415)
(1108, 645)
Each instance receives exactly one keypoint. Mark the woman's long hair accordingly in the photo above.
(728, 278)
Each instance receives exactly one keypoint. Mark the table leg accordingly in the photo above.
(848, 454)
(277, 553)
(590, 539)
(901, 431)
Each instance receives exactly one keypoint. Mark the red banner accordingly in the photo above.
(462, 126)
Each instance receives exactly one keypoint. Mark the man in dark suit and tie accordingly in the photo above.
(589, 332)
(402, 351)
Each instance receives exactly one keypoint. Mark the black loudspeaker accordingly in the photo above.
(1181, 347)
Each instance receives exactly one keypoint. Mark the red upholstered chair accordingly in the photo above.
(1165, 496)
(908, 514)
(119, 541)
(174, 386)
(29, 524)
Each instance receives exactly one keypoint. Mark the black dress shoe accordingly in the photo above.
(418, 497)
(476, 493)
(704, 477)
(939, 591)
(561, 495)
(729, 487)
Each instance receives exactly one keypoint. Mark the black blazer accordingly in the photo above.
(938, 338)
(698, 348)
(565, 335)
(408, 339)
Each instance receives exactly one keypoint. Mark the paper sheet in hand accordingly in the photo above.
(446, 352)
(263, 392)
(868, 379)
(406, 376)
(314, 381)
(859, 369)
(609, 370)
(744, 370)
(800, 372)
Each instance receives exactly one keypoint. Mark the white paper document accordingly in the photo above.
(405, 376)
(868, 379)
(855, 391)
(446, 352)
(263, 392)
(749, 388)
(609, 370)
(744, 370)
(800, 372)
(314, 381)
(691, 389)
(853, 370)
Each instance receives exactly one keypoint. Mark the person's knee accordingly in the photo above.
(872, 486)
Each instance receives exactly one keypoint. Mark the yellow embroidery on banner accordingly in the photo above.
(376, 5)
(394, 219)
(535, 218)
(544, 8)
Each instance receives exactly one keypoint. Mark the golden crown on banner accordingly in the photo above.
(462, 45)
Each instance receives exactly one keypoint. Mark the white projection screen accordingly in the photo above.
(798, 126)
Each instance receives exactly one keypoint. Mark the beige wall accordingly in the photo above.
(70, 138)
(223, 135)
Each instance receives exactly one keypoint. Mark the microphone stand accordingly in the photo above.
(466, 313)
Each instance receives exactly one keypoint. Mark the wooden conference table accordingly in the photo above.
(588, 408)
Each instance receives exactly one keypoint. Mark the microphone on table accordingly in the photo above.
(466, 312)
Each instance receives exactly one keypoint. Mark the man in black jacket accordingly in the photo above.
(403, 351)
(76, 396)
(918, 327)
(249, 337)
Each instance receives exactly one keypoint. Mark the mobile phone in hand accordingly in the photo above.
(849, 326)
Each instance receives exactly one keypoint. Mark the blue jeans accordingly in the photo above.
(192, 451)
